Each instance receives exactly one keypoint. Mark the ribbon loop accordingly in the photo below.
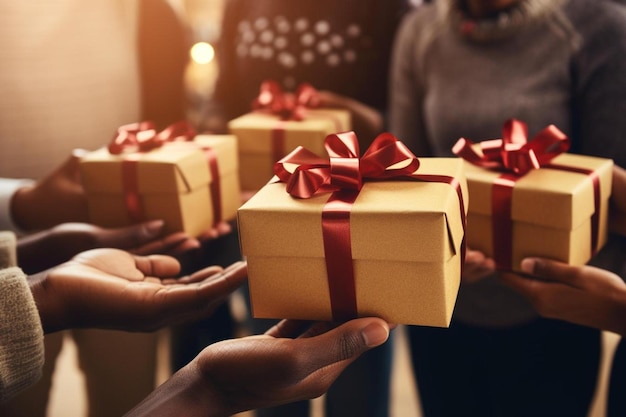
(386, 158)
(135, 138)
(342, 175)
(343, 149)
(345, 173)
(287, 106)
(143, 137)
(515, 157)
(514, 153)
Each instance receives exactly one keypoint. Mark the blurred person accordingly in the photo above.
(110, 288)
(72, 73)
(460, 69)
(342, 49)
(101, 288)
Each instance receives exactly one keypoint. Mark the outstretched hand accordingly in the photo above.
(261, 371)
(583, 295)
(113, 289)
(51, 247)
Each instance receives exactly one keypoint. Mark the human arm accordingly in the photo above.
(261, 371)
(113, 289)
(366, 120)
(8, 187)
(51, 247)
(57, 198)
(51, 208)
(583, 295)
(599, 75)
(58, 242)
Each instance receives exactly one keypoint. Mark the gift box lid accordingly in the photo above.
(177, 167)
(323, 121)
(546, 196)
(391, 220)
(226, 147)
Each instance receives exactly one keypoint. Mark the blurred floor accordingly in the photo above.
(68, 399)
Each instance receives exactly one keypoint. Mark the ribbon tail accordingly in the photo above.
(338, 253)
(502, 223)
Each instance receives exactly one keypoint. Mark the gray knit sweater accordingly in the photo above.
(559, 62)
(21, 335)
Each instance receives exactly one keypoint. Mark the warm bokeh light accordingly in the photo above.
(202, 52)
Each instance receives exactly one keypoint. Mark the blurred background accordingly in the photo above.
(202, 18)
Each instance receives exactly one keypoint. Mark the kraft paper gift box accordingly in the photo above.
(264, 138)
(556, 211)
(406, 244)
(174, 182)
(280, 122)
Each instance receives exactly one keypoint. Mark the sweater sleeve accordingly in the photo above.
(8, 187)
(600, 74)
(21, 334)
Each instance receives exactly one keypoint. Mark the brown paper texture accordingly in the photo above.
(406, 240)
(173, 184)
(551, 210)
(254, 134)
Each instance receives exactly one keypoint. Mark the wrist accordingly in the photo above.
(8, 188)
(49, 308)
(185, 390)
(206, 395)
(21, 206)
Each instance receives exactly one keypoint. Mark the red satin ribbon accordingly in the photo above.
(514, 153)
(343, 175)
(515, 156)
(143, 137)
(135, 138)
(215, 187)
(595, 217)
(288, 106)
(337, 251)
(134, 206)
(278, 140)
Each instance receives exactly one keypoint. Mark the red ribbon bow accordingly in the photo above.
(143, 137)
(515, 157)
(345, 170)
(288, 106)
(514, 153)
(343, 175)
